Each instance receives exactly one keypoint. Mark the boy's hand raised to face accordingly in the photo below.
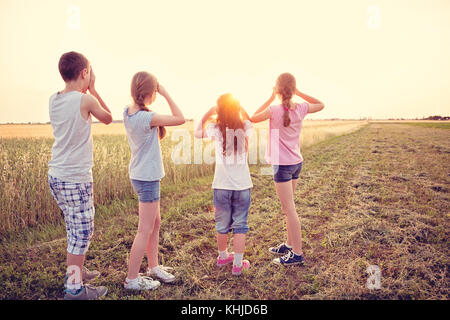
(91, 87)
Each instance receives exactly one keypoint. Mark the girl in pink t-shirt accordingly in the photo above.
(283, 152)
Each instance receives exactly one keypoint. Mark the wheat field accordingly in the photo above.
(25, 150)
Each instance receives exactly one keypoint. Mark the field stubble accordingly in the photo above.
(377, 196)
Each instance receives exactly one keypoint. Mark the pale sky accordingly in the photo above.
(361, 58)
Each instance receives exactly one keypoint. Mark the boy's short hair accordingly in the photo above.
(71, 64)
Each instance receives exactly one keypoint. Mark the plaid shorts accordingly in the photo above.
(76, 201)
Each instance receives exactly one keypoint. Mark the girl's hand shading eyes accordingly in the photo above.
(274, 93)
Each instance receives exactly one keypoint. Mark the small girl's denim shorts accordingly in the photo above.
(231, 210)
(147, 191)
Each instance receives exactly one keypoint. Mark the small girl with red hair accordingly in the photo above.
(232, 181)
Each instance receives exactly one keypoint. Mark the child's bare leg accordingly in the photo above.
(289, 237)
(239, 248)
(222, 241)
(285, 193)
(74, 268)
(147, 218)
(153, 242)
(239, 242)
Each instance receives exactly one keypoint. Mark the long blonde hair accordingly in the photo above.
(145, 84)
(286, 86)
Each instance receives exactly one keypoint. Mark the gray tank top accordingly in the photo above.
(72, 155)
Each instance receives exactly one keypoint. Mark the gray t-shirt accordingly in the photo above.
(146, 160)
(72, 150)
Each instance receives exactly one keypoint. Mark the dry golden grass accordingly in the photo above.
(45, 130)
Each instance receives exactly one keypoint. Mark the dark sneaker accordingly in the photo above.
(282, 249)
(89, 275)
(290, 259)
(87, 292)
(86, 274)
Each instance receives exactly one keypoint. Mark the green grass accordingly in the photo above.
(378, 196)
(439, 125)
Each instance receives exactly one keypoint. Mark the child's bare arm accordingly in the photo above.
(200, 131)
(92, 105)
(95, 105)
(315, 105)
(175, 119)
(263, 112)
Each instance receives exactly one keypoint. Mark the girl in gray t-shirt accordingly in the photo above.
(144, 130)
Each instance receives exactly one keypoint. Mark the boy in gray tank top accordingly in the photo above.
(70, 168)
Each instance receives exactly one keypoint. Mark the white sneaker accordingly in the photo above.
(162, 274)
(141, 283)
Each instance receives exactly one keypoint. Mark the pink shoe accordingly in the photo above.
(223, 262)
(236, 271)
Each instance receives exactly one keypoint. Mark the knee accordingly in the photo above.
(144, 232)
(288, 207)
(157, 222)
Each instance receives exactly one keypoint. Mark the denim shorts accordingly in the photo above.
(147, 191)
(231, 210)
(286, 173)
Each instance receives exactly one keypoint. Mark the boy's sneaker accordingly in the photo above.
(141, 283)
(224, 262)
(89, 275)
(162, 273)
(290, 259)
(236, 271)
(86, 292)
(86, 274)
(282, 249)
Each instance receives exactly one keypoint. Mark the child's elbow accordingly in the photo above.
(180, 121)
(255, 119)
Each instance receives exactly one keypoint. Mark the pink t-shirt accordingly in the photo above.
(283, 147)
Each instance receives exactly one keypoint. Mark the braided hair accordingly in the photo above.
(144, 84)
(286, 86)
